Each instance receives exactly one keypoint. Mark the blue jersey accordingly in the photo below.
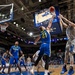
(45, 37)
(15, 51)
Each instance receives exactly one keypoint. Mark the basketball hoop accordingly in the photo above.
(3, 27)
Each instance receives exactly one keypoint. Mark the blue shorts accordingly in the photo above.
(45, 49)
(13, 60)
(3, 62)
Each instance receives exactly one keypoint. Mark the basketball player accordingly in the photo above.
(4, 60)
(22, 61)
(45, 46)
(35, 56)
(14, 56)
(29, 64)
(70, 32)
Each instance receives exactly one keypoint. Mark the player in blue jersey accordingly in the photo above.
(22, 61)
(14, 56)
(4, 60)
(45, 46)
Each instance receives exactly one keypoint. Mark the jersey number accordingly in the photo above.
(44, 35)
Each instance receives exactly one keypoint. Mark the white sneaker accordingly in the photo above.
(46, 73)
(32, 71)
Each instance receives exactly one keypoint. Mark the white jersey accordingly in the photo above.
(29, 66)
(70, 32)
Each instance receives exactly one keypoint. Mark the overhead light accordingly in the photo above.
(57, 39)
(22, 8)
(30, 34)
(22, 28)
(3, 15)
(39, 0)
(16, 25)
(14, 22)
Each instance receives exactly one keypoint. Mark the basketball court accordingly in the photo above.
(54, 70)
(22, 21)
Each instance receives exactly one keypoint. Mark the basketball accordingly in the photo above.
(52, 9)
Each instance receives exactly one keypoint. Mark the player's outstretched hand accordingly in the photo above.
(35, 43)
(61, 15)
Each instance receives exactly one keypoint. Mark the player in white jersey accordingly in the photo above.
(29, 64)
(70, 50)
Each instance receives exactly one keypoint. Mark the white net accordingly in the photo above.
(6, 13)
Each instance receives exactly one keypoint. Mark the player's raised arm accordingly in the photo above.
(50, 23)
(69, 22)
(37, 39)
(62, 22)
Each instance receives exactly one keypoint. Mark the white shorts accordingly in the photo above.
(72, 47)
(68, 44)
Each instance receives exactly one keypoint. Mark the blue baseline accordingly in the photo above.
(24, 73)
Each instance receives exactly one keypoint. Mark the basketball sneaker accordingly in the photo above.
(71, 71)
(63, 70)
(32, 70)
